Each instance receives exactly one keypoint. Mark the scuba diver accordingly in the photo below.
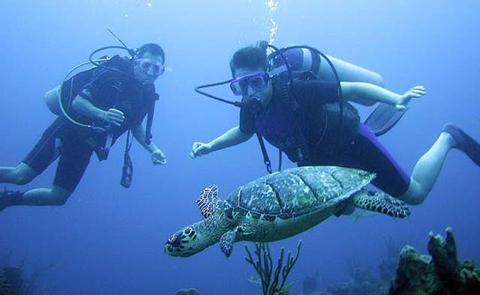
(97, 107)
(311, 120)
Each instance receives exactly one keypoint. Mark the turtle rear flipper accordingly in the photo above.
(382, 203)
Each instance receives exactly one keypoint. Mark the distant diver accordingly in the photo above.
(297, 98)
(94, 108)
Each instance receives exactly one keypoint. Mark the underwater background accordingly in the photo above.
(109, 240)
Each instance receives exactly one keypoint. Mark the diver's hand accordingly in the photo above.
(414, 92)
(113, 116)
(158, 157)
(200, 149)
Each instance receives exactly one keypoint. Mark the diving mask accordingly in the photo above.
(256, 82)
(151, 68)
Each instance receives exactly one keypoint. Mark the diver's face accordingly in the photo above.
(254, 88)
(148, 67)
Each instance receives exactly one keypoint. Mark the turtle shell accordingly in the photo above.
(296, 191)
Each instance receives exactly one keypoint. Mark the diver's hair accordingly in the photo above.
(153, 48)
(250, 57)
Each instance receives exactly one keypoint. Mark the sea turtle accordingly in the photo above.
(278, 206)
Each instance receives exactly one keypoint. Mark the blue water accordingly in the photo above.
(109, 240)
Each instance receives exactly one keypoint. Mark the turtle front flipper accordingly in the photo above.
(381, 202)
(227, 240)
(208, 201)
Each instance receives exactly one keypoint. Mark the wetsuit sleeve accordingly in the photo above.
(311, 93)
(247, 121)
(103, 87)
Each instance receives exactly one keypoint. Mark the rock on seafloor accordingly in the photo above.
(437, 273)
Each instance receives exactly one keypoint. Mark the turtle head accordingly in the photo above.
(183, 243)
(194, 238)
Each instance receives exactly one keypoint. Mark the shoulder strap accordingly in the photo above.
(150, 115)
(127, 169)
(266, 159)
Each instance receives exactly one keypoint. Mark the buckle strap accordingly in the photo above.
(266, 159)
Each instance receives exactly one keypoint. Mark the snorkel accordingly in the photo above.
(275, 70)
(270, 72)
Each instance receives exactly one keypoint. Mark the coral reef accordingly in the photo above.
(362, 278)
(437, 273)
(310, 285)
(187, 292)
(11, 281)
(388, 265)
(273, 279)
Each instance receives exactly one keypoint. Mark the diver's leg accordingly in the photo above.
(72, 164)
(38, 159)
(54, 196)
(367, 153)
(428, 167)
(35, 197)
(21, 174)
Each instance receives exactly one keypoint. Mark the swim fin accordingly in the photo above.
(464, 142)
(383, 118)
(10, 198)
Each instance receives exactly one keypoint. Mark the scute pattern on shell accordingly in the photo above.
(297, 191)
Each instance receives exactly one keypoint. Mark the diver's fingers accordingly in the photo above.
(116, 120)
(196, 146)
(417, 94)
(116, 112)
(194, 155)
(198, 150)
(116, 115)
(419, 87)
(160, 162)
(115, 123)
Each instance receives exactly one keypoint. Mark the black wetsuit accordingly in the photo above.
(74, 145)
(311, 132)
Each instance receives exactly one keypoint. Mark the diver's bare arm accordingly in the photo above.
(230, 138)
(139, 134)
(369, 94)
(85, 108)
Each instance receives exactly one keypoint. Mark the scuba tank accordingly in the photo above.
(59, 99)
(56, 99)
(308, 63)
(52, 100)
(305, 60)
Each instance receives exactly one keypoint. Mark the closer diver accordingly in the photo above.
(312, 121)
